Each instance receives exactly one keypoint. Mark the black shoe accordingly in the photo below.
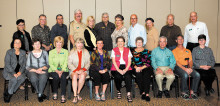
(166, 93)
(194, 96)
(7, 96)
(44, 96)
(143, 96)
(207, 92)
(40, 99)
(185, 96)
(147, 98)
(212, 90)
(159, 95)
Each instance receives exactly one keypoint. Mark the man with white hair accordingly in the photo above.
(77, 27)
(193, 30)
(163, 62)
(104, 30)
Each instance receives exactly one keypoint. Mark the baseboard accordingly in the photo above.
(217, 64)
(1, 68)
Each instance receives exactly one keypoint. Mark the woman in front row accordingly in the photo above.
(100, 64)
(78, 63)
(37, 67)
(141, 63)
(121, 59)
(58, 60)
(14, 69)
(203, 62)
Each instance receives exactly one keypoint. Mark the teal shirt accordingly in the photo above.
(162, 57)
(55, 59)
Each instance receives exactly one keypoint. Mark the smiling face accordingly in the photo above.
(37, 45)
(139, 43)
(42, 20)
(78, 15)
(59, 44)
(170, 20)
(118, 22)
(17, 43)
(149, 24)
(120, 42)
(133, 19)
(60, 20)
(180, 40)
(79, 45)
(193, 17)
(202, 41)
(21, 26)
(162, 43)
(91, 22)
(105, 18)
(99, 45)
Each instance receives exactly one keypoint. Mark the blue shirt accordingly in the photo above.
(134, 32)
(162, 57)
(101, 58)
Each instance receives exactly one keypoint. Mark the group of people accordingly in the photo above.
(98, 48)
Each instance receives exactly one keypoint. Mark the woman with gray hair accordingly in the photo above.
(78, 63)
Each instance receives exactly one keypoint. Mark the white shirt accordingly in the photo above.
(193, 31)
(134, 32)
(121, 59)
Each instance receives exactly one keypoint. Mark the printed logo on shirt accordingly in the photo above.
(22, 36)
(77, 27)
(117, 55)
(62, 53)
(103, 27)
(190, 29)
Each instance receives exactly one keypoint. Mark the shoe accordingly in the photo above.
(212, 90)
(207, 92)
(7, 96)
(159, 95)
(76, 99)
(143, 96)
(63, 99)
(147, 98)
(119, 95)
(44, 96)
(185, 96)
(40, 99)
(166, 93)
(194, 96)
(102, 96)
(54, 96)
(129, 98)
(97, 97)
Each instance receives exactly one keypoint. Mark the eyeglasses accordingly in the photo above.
(21, 25)
(133, 18)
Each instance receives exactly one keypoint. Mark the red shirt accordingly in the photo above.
(80, 60)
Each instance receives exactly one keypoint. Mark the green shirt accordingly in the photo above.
(58, 58)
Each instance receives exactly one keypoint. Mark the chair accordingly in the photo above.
(176, 85)
(25, 88)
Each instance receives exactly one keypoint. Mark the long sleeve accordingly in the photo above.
(65, 63)
(53, 34)
(207, 35)
(47, 60)
(34, 33)
(156, 39)
(88, 40)
(195, 64)
(212, 59)
(28, 62)
(172, 61)
(125, 35)
(70, 61)
(147, 59)
(52, 67)
(8, 63)
(153, 60)
(143, 34)
(185, 37)
(23, 66)
(87, 61)
(93, 66)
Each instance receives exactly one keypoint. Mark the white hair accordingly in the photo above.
(77, 11)
(105, 13)
(162, 37)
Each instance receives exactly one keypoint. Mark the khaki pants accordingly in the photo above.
(160, 77)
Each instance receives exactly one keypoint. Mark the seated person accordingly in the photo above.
(14, 70)
(37, 66)
(99, 66)
(184, 69)
(142, 68)
(163, 62)
(203, 62)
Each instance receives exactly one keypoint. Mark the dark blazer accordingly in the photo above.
(20, 35)
(11, 63)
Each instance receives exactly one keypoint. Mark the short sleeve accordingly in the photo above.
(130, 55)
(113, 54)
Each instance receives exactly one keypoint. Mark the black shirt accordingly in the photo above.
(18, 65)
(88, 39)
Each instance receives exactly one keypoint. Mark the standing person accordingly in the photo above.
(204, 62)
(77, 27)
(135, 30)
(23, 35)
(121, 62)
(42, 32)
(99, 67)
(59, 29)
(37, 66)
(90, 35)
(152, 35)
(58, 60)
(104, 30)
(78, 63)
(184, 69)
(14, 70)
(141, 62)
(120, 30)
(171, 31)
(193, 30)
(163, 62)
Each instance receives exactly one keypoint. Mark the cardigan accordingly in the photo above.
(55, 59)
(73, 60)
(11, 63)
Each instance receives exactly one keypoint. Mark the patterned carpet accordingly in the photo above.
(18, 99)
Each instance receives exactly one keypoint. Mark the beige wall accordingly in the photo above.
(157, 9)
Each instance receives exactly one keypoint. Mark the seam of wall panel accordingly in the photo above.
(217, 32)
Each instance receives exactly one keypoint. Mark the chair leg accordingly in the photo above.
(176, 88)
(90, 88)
(69, 89)
(5, 85)
(155, 87)
(133, 88)
(112, 88)
(217, 85)
(26, 89)
(48, 89)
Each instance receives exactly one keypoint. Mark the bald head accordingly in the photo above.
(193, 17)
(133, 19)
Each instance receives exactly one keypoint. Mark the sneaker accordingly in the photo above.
(194, 96)
(166, 93)
(185, 96)
(159, 95)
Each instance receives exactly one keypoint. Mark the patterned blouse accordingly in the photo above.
(142, 58)
(121, 32)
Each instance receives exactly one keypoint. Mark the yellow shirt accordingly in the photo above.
(180, 55)
(77, 30)
(152, 39)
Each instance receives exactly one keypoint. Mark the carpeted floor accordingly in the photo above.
(18, 99)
